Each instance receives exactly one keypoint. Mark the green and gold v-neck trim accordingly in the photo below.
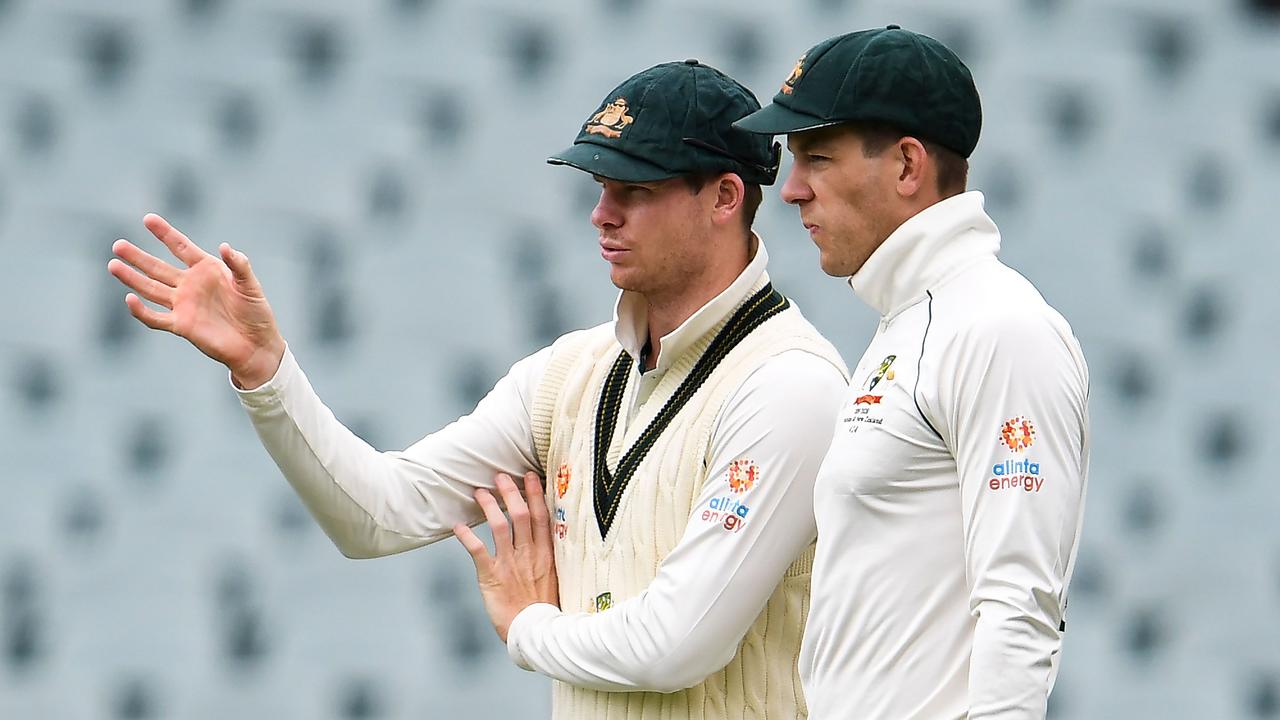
(609, 487)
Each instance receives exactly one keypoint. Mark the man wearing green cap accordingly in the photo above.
(679, 442)
(949, 504)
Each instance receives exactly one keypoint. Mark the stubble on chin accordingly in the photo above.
(834, 270)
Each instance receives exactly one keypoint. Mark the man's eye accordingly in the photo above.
(811, 157)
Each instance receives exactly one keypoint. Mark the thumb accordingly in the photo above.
(238, 262)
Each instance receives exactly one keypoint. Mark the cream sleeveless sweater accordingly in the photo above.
(761, 680)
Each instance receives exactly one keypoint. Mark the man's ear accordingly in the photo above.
(915, 166)
(730, 195)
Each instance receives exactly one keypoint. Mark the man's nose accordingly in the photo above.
(605, 214)
(795, 189)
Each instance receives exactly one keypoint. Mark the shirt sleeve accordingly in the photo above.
(373, 503)
(689, 622)
(1015, 417)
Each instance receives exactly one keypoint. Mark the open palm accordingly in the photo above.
(215, 302)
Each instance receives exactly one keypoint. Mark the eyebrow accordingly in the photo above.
(822, 138)
(799, 143)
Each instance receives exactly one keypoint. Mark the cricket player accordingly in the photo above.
(665, 574)
(949, 505)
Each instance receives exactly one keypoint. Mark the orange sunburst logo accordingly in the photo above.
(562, 480)
(743, 475)
(1018, 434)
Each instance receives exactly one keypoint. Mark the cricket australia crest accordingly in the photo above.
(789, 85)
(610, 121)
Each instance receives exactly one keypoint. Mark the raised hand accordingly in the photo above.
(522, 570)
(215, 302)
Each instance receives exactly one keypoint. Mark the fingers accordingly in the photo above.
(147, 316)
(149, 264)
(475, 547)
(530, 522)
(156, 292)
(240, 270)
(178, 244)
(497, 522)
(538, 512)
(516, 509)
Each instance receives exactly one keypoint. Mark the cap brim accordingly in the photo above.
(609, 163)
(774, 119)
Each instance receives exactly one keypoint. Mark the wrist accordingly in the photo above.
(261, 366)
(521, 627)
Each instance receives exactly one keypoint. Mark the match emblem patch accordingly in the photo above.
(1018, 434)
(884, 372)
(611, 120)
(743, 475)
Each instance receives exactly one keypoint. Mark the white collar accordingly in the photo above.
(631, 313)
(925, 251)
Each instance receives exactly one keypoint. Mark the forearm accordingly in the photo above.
(628, 649)
(1011, 668)
(687, 625)
(373, 503)
(341, 479)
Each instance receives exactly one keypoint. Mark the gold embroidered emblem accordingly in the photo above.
(611, 121)
(789, 85)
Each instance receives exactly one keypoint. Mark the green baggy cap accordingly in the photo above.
(671, 120)
(887, 74)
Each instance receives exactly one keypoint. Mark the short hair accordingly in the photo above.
(752, 194)
(953, 170)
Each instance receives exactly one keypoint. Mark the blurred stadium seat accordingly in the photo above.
(382, 163)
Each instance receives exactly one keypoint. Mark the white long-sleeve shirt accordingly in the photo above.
(706, 593)
(949, 505)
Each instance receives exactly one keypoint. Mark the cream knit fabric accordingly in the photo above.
(761, 681)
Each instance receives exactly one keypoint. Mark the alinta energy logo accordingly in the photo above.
(726, 510)
(1017, 435)
(561, 527)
